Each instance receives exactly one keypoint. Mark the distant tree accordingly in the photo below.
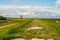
(2, 18)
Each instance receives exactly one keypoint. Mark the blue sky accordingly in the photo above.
(28, 2)
(30, 8)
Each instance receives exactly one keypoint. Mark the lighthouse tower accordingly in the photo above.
(21, 17)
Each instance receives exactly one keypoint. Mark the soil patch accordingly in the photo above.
(37, 39)
(18, 39)
(36, 27)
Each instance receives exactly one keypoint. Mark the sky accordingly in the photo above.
(30, 8)
(28, 2)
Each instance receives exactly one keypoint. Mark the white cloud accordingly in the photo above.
(24, 13)
(28, 10)
(53, 14)
(57, 3)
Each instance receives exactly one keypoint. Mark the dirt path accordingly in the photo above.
(18, 39)
(35, 27)
(37, 39)
(7, 25)
(31, 39)
(40, 39)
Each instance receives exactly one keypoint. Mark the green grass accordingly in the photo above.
(49, 23)
(5, 32)
(51, 29)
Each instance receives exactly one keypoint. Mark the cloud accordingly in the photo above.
(57, 3)
(24, 13)
(31, 11)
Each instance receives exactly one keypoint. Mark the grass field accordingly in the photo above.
(51, 29)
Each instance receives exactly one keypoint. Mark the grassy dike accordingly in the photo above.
(5, 33)
(53, 26)
(51, 29)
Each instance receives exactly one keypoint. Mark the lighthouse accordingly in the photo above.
(21, 17)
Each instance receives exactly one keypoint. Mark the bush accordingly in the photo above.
(2, 18)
